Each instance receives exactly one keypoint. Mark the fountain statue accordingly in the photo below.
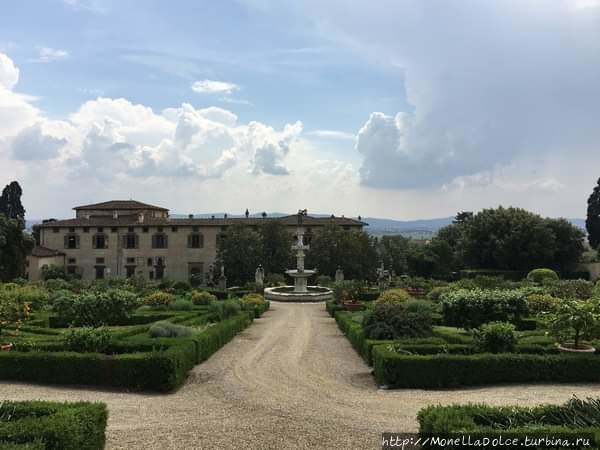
(300, 291)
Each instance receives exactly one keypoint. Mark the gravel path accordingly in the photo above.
(290, 381)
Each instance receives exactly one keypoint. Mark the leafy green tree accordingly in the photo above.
(568, 242)
(592, 222)
(10, 201)
(516, 239)
(354, 251)
(240, 250)
(430, 259)
(393, 251)
(276, 247)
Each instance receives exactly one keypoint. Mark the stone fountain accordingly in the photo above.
(300, 291)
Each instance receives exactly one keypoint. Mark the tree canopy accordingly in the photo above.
(10, 201)
(513, 239)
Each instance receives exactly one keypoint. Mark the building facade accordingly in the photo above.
(125, 238)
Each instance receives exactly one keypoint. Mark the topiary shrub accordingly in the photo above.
(541, 303)
(202, 298)
(393, 297)
(87, 340)
(541, 275)
(158, 299)
(496, 337)
(169, 329)
(412, 318)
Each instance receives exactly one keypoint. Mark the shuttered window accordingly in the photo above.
(195, 240)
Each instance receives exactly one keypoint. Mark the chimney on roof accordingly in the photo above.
(225, 216)
(247, 213)
(115, 214)
(212, 217)
(190, 216)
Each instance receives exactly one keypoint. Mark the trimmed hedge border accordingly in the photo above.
(450, 370)
(462, 420)
(156, 364)
(54, 426)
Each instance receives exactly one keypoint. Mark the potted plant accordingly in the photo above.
(350, 303)
(573, 322)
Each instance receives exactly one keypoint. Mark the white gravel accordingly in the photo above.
(290, 381)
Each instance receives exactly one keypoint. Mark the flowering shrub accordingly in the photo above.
(393, 297)
(13, 311)
(202, 297)
(94, 309)
(253, 300)
(541, 303)
(470, 308)
(158, 299)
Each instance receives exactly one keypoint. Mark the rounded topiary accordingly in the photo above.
(393, 297)
(496, 337)
(541, 275)
(202, 297)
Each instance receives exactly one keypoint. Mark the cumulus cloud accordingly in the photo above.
(110, 138)
(9, 73)
(48, 54)
(32, 144)
(489, 82)
(214, 86)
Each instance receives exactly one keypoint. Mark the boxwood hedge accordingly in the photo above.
(399, 370)
(53, 426)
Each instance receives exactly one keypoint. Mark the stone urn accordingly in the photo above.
(6, 347)
(569, 347)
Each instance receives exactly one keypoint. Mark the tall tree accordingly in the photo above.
(10, 201)
(14, 245)
(393, 251)
(354, 251)
(276, 247)
(592, 222)
(240, 251)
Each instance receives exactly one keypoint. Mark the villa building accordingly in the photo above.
(123, 238)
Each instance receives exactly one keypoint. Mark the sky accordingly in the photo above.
(402, 109)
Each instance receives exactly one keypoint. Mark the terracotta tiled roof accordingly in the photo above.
(120, 204)
(45, 252)
(132, 220)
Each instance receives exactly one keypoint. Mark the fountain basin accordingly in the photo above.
(288, 294)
